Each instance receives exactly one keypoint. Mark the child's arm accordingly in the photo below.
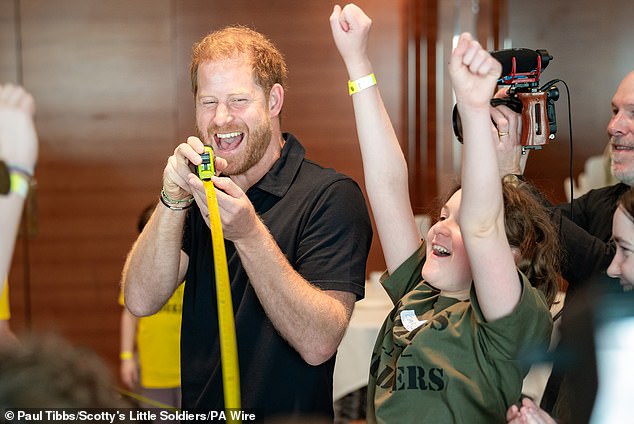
(384, 166)
(129, 369)
(474, 73)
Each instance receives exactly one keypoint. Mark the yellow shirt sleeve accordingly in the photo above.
(5, 312)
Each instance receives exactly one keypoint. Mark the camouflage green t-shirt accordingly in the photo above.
(436, 359)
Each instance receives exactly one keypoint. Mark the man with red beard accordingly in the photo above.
(297, 238)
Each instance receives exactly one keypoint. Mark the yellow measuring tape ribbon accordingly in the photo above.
(226, 324)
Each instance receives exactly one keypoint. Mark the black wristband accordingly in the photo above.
(5, 178)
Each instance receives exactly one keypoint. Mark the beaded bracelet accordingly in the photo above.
(174, 201)
(170, 205)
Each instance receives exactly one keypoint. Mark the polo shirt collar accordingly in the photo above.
(280, 177)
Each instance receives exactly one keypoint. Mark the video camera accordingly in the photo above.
(521, 69)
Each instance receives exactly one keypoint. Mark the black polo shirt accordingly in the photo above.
(586, 234)
(320, 221)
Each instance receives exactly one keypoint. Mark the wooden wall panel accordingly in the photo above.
(8, 45)
(102, 74)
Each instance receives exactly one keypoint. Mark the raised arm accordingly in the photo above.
(18, 149)
(474, 73)
(384, 166)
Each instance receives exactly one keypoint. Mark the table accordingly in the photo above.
(355, 351)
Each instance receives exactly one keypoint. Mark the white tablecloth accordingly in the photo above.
(355, 351)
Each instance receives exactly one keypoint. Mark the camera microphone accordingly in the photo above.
(519, 62)
(521, 69)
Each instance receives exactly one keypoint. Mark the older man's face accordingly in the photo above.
(621, 130)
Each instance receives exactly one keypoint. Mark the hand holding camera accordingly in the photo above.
(521, 69)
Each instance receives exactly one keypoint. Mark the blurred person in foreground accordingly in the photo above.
(46, 371)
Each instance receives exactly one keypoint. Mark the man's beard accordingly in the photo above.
(257, 144)
(621, 173)
(626, 177)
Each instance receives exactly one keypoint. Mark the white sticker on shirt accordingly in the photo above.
(410, 320)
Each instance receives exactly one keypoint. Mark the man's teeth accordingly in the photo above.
(440, 249)
(228, 135)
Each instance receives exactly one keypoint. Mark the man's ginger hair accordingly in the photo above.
(267, 62)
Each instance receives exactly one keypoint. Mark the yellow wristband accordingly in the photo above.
(19, 184)
(124, 356)
(361, 84)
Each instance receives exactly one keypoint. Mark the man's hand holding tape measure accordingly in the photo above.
(180, 183)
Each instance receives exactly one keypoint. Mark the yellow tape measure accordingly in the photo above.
(226, 325)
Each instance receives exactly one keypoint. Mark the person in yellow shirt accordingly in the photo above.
(150, 347)
(7, 337)
(155, 363)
